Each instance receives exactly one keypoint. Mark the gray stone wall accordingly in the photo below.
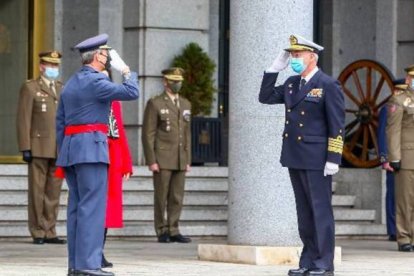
(353, 32)
(156, 31)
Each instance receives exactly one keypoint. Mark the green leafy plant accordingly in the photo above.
(198, 85)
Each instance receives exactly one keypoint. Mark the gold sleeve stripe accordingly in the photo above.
(335, 144)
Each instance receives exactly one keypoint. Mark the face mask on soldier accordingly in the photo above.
(51, 73)
(175, 86)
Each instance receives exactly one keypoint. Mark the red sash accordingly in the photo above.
(77, 129)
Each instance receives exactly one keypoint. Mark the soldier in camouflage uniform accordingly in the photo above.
(166, 137)
(400, 139)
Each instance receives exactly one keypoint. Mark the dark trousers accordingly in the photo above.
(390, 204)
(43, 197)
(87, 184)
(168, 196)
(313, 194)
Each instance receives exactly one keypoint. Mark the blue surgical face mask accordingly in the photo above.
(51, 73)
(298, 65)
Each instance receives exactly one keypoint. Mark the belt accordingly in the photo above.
(77, 129)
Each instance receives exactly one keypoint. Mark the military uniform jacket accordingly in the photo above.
(36, 118)
(315, 117)
(86, 99)
(400, 129)
(166, 133)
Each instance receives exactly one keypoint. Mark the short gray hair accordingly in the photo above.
(87, 57)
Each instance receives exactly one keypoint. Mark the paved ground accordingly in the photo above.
(140, 257)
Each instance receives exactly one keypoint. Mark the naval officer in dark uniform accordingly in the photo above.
(312, 147)
(81, 125)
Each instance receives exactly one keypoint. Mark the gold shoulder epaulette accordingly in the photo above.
(335, 144)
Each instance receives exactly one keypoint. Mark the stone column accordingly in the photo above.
(261, 201)
(262, 225)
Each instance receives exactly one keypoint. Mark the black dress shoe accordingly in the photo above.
(298, 271)
(405, 247)
(105, 262)
(180, 238)
(164, 238)
(55, 240)
(38, 241)
(94, 272)
(72, 272)
(320, 272)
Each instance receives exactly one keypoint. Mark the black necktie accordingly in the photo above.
(302, 83)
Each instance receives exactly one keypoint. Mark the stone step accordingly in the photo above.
(134, 229)
(334, 186)
(360, 229)
(12, 198)
(342, 214)
(343, 200)
(145, 229)
(19, 183)
(205, 171)
(146, 198)
(131, 213)
(190, 213)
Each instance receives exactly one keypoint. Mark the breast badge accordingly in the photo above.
(315, 93)
(187, 114)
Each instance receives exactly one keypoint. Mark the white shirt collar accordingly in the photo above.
(47, 82)
(172, 97)
(311, 74)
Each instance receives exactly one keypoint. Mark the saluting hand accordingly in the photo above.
(280, 63)
(154, 167)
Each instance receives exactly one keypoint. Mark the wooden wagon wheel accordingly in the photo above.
(367, 86)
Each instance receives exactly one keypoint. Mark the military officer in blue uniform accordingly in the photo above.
(399, 85)
(81, 124)
(312, 147)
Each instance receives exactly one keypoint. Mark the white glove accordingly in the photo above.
(330, 168)
(116, 61)
(280, 63)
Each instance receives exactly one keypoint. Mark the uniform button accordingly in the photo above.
(288, 110)
(181, 144)
(302, 113)
(300, 125)
(290, 92)
(299, 138)
(38, 135)
(340, 131)
(287, 122)
(286, 135)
